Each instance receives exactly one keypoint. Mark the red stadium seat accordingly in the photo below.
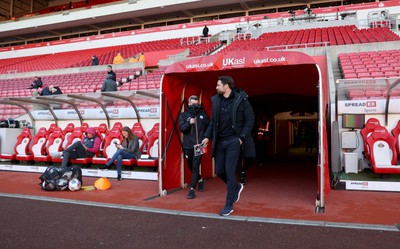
(109, 147)
(67, 132)
(21, 146)
(383, 155)
(396, 134)
(138, 130)
(38, 147)
(365, 132)
(152, 151)
(55, 141)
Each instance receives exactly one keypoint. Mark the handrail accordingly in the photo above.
(306, 45)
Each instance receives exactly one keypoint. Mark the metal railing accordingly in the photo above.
(299, 45)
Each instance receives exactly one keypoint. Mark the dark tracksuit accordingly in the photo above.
(190, 139)
(232, 119)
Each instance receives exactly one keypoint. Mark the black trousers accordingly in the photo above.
(75, 150)
(194, 166)
(226, 161)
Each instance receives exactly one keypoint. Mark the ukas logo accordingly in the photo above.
(371, 103)
(233, 61)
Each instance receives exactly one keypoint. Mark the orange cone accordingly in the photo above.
(102, 184)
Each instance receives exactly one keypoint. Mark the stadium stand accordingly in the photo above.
(329, 36)
(82, 58)
(371, 64)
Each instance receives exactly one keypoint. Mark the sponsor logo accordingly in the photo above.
(266, 60)
(92, 172)
(356, 104)
(35, 168)
(233, 61)
(363, 184)
(115, 111)
(381, 145)
(153, 110)
(371, 103)
(200, 65)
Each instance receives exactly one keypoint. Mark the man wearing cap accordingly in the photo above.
(88, 147)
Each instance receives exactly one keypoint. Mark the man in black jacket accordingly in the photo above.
(95, 60)
(111, 73)
(109, 85)
(193, 123)
(230, 131)
(37, 83)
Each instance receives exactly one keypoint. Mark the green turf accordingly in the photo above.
(368, 175)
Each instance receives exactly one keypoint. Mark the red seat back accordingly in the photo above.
(138, 130)
(365, 132)
(109, 148)
(396, 135)
(55, 141)
(117, 125)
(76, 135)
(152, 149)
(382, 148)
(84, 127)
(23, 140)
(51, 129)
(39, 142)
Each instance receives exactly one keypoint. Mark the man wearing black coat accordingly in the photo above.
(95, 60)
(230, 128)
(109, 85)
(111, 72)
(193, 123)
(37, 83)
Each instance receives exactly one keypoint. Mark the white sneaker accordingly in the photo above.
(56, 154)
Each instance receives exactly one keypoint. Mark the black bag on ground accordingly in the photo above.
(51, 178)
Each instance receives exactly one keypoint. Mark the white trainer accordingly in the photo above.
(56, 154)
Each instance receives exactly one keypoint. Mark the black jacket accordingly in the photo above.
(95, 61)
(37, 84)
(242, 122)
(112, 74)
(189, 131)
(109, 85)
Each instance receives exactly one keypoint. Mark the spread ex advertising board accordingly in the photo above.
(98, 113)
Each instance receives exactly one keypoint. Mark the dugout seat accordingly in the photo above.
(365, 132)
(396, 134)
(54, 144)
(67, 132)
(152, 152)
(383, 154)
(138, 130)
(109, 147)
(21, 147)
(38, 147)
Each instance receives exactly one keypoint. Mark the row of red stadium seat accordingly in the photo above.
(315, 37)
(374, 64)
(40, 147)
(106, 55)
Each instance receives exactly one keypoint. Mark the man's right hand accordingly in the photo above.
(192, 120)
(204, 142)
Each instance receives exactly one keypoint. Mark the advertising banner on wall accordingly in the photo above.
(368, 106)
(98, 113)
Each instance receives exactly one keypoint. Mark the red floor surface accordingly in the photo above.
(281, 190)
